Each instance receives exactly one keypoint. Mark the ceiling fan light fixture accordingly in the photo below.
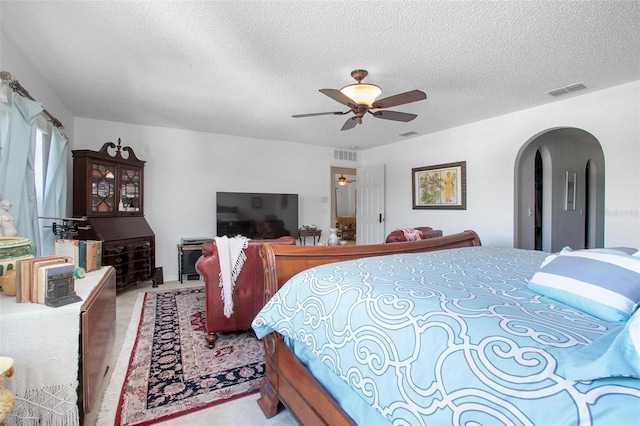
(361, 99)
(342, 181)
(362, 93)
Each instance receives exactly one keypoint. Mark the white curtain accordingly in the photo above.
(17, 176)
(55, 187)
(5, 114)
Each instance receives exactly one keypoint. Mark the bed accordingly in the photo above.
(441, 331)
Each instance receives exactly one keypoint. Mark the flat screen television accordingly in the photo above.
(259, 216)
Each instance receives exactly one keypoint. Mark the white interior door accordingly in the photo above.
(370, 205)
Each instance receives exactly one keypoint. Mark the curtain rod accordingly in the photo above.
(17, 87)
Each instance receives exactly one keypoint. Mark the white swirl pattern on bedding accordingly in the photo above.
(449, 337)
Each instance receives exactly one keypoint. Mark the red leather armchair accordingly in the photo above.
(247, 293)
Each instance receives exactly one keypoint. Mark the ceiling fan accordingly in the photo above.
(361, 98)
(342, 181)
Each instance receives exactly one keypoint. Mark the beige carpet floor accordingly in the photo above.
(243, 411)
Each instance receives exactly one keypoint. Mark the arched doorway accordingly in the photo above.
(559, 191)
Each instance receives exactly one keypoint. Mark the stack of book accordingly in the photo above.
(41, 279)
(85, 254)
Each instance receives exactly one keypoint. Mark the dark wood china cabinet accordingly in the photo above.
(108, 189)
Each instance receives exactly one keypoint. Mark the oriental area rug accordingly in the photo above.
(166, 370)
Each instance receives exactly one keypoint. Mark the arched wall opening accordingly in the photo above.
(559, 191)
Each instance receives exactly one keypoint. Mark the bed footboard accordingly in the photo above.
(283, 262)
(287, 381)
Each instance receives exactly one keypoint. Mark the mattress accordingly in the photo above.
(446, 337)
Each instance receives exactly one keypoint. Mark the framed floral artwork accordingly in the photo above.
(443, 186)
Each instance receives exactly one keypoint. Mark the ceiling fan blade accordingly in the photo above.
(400, 99)
(394, 115)
(319, 113)
(337, 95)
(350, 123)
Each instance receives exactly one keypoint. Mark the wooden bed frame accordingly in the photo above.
(287, 381)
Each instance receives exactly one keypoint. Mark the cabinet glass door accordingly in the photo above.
(102, 189)
(130, 190)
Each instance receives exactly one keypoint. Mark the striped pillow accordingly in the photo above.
(606, 285)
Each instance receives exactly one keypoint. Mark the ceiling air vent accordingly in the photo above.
(567, 89)
(405, 134)
(344, 155)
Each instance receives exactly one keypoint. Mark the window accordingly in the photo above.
(40, 159)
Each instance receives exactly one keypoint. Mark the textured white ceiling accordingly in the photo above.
(244, 67)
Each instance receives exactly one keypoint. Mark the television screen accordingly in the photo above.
(259, 216)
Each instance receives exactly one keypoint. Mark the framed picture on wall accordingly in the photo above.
(443, 186)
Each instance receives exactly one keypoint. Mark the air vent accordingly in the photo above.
(344, 155)
(405, 134)
(567, 89)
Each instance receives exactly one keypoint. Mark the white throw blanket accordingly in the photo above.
(231, 257)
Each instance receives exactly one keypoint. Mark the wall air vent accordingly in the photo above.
(567, 89)
(345, 155)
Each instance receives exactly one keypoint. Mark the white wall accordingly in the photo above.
(12, 61)
(185, 169)
(490, 147)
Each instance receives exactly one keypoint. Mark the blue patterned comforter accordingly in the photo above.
(449, 337)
